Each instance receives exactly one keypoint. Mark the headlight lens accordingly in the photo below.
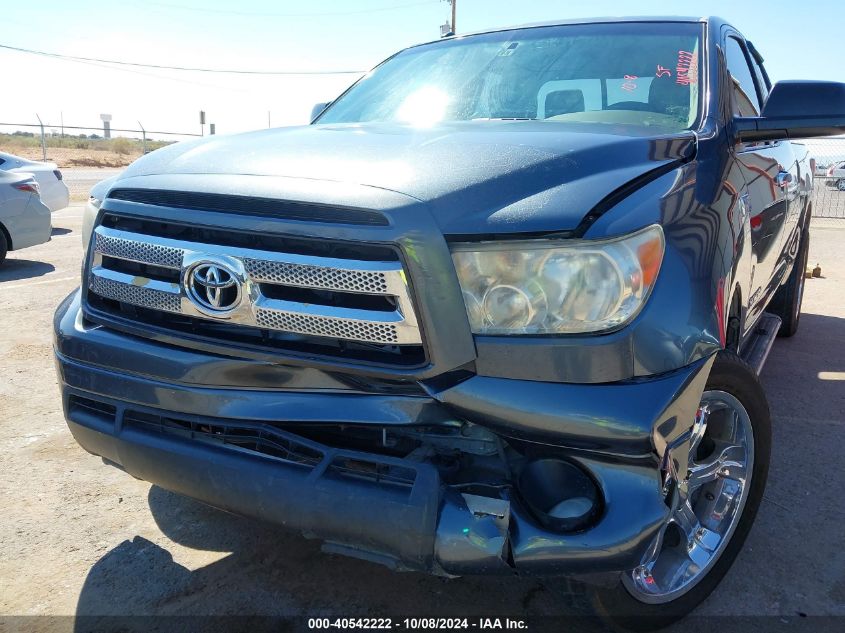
(557, 287)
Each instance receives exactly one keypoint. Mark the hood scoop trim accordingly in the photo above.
(247, 205)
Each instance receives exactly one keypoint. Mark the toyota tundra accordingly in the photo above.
(499, 309)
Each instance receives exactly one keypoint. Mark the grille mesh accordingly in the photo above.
(146, 253)
(316, 276)
(136, 295)
(322, 326)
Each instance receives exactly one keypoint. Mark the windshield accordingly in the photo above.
(642, 74)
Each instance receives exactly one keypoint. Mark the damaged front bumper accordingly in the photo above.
(201, 439)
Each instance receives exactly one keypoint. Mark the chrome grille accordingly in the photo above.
(322, 326)
(133, 250)
(124, 290)
(317, 277)
(263, 276)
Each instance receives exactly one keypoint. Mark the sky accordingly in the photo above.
(312, 35)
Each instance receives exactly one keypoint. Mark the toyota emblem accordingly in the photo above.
(213, 287)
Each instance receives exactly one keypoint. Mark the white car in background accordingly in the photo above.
(24, 219)
(54, 192)
(837, 172)
(821, 170)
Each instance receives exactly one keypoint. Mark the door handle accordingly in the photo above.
(783, 179)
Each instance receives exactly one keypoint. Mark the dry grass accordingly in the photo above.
(71, 151)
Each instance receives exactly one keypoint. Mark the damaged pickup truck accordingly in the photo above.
(499, 309)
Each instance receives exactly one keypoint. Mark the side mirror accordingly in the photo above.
(317, 110)
(797, 109)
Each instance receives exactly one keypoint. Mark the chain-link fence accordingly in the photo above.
(829, 194)
(81, 146)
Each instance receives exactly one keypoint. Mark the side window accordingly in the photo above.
(746, 101)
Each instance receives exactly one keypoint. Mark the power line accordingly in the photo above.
(182, 7)
(183, 68)
(155, 75)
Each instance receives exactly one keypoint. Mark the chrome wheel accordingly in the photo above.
(707, 502)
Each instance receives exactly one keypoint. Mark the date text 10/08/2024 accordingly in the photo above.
(417, 623)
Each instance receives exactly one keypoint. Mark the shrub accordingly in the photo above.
(121, 146)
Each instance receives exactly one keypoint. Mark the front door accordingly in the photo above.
(769, 174)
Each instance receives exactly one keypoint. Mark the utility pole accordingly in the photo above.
(449, 29)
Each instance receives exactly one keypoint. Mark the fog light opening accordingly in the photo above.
(560, 495)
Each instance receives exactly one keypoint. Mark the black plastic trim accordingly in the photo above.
(245, 205)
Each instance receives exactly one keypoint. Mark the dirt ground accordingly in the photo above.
(73, 152)
(79, 537)
(73, 157)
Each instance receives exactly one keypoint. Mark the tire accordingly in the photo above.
(787, 300)
(840, 184)
(4, 246)
(617, 605)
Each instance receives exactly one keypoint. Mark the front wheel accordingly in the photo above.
(712, 508)
(840, 184)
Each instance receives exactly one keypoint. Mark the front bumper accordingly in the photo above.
(614, 432)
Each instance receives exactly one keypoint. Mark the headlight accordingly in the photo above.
(557, 287)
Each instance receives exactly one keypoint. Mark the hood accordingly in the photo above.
(100, 189)
(475, 177)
